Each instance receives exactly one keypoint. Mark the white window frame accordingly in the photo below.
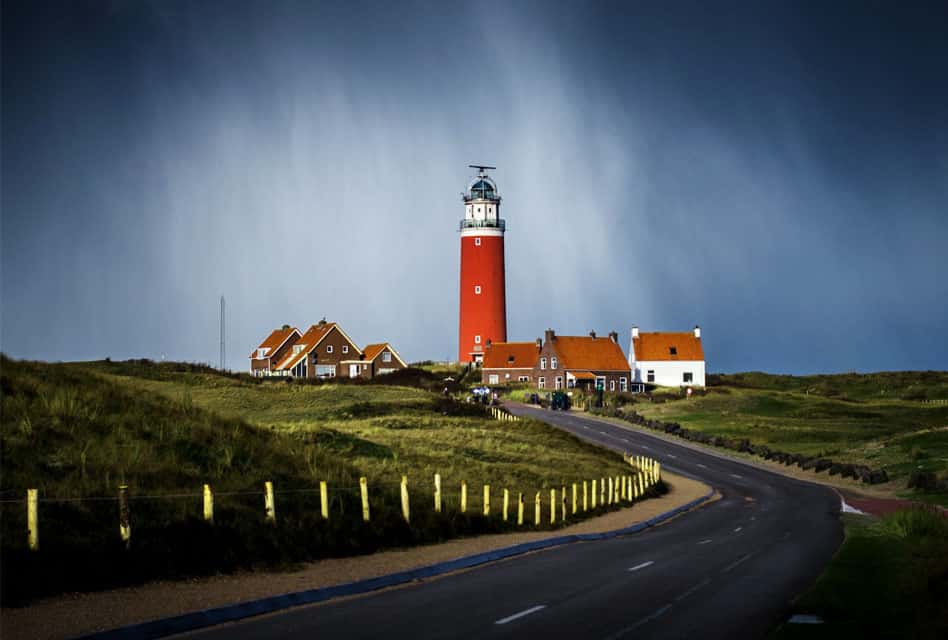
(297, 348)
(541, 382)
(623, 385)
(612, 385)
(558, 382)
(477, 339)
(386, 356)
(345, 348)
(477, 289)
(687, 374)
(477, 242)
(493, 379)
(328, 348)
(543, 364)
(553, 362)
(650, 375)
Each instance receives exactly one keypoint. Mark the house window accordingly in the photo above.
(329, 349)
(650, 376)
(261, 353)
(297, 348)
(477, 289)
(612, 385)
(325, 371)
(687, 377)
(345, 348)
(493, 379)
(523, 379)
(553, 362)
(477, 242)
(623, 384)
(541, 382)
(558, 383)
(673, 350)
(543, 363)
(477, 339)
(386, 356)
(506, 376)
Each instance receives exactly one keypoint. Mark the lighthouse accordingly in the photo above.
(483, 312)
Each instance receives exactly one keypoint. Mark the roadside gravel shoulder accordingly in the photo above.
(71, 615)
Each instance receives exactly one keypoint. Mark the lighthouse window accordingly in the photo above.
(477, 339)
(477, 289)
(477, 242)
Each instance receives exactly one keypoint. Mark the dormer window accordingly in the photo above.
(262, 353)
(297, 348)
(673, 350)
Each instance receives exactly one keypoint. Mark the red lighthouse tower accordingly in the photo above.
(483, 294)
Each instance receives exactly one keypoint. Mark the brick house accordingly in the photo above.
(278, 344)
(375, 360)
(506, 362)
(319, 353)
(566, 362)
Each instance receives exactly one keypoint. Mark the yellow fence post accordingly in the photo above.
(486, 499)
(506, 503)
(610, 491)
(208, 504)
(616, 485)
(595, 493)
(574, 498)
(268, 502)
(658, 471)
(520, 508)
(628, 485)
(463, 496)
(563, 504)
(406, 507)
(552, 506)
(437, 492)
(586, 496)
(324, 499)
(536, 512)
(364, 489)
(602, 492)
(623, 487)
(125, 516)
(32, 518)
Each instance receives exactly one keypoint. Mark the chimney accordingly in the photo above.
(549, 335)
(614, 336)
(635, 332)
(539, 344)
(592, 334)
(697, 332)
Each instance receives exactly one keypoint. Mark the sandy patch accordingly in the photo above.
(71, 615)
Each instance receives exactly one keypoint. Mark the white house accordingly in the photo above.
(667, 359)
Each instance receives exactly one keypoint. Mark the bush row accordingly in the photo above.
(855, 471)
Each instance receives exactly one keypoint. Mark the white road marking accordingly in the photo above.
(737, 530)
(705, 541)
(702, 466)
(804, 618)
(523, 613)
(642, 446)
(687, 593)
(734, 475)
(739, 561)
(638, 624)
(673, 457)
(642, 566)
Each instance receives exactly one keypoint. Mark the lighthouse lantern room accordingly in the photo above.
(483, 312)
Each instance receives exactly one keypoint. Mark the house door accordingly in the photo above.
(354, 370)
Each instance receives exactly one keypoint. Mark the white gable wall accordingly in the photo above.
(669, 373)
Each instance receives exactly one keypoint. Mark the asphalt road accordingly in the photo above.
(727, 570)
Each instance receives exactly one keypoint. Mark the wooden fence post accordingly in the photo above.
(536, 512)
(585, 496)
(208, 504)
(563, 504)
(622, 491)
(595, 493)
(32, 518)
(602, 492)
(658, 471)
(506, 503)
(574, 498)
(552, 506)
(616, 485)
(486, 499)
(463, 496)
(125, 516)
(406, 509)
(324, 499)
(268, 503)
(520, 508)
(610, 490)
(437, 492)
(364, 488)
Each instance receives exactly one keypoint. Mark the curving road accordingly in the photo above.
(727, 570)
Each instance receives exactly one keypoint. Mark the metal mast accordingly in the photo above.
(223, 353)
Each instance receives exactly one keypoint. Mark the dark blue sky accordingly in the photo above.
(775, 172)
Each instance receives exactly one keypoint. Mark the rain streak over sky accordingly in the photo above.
(775, 172)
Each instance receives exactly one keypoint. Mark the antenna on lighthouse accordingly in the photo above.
(481, 168)
(223, 352)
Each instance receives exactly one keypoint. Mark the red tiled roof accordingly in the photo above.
(308, 342)
(511, 355)
(372, 351)
(658, 346)
(593, 354)
(274, 341)
(584, 375)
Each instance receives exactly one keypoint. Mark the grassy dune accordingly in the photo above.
(76, 431)
(880, 420)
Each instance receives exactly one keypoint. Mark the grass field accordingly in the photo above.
(888, 580)
(76, 431)
(880, 420)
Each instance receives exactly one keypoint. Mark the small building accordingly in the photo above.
(668, 359)
(319, 353)
(376, 360)
(272, 350)
(586, 362)
(506, 362)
